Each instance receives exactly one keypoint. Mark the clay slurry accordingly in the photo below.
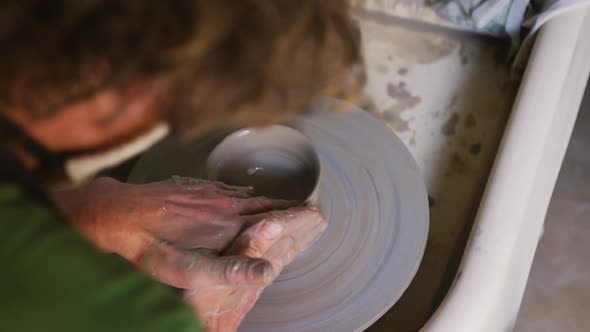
(273, 173)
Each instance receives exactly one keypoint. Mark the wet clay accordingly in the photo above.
(278, 161)
(272, 173)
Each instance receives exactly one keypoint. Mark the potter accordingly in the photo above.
(89, 84)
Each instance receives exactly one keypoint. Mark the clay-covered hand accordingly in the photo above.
(175, 230)
(278, 238)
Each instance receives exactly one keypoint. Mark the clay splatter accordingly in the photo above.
(369, 105)
(398, 91)
(381, 68)
(470, 121)
(453, 101)
(462, 142)
(393, 114)
(417, 47)
(464, 60)
(475, 148)
(402, 71)
(448, 129)
(458, 165)
(394, 119)
(404, 101)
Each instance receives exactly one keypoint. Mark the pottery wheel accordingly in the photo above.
(374, 199)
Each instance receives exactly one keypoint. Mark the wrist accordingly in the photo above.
(81, 207)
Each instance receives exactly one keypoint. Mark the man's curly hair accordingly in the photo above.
(221, 61)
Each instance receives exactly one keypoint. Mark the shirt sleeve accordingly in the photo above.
(52, 279)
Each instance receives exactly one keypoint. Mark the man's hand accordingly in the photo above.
(278, 238)
(176, 229)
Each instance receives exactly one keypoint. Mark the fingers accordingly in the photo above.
(291, 219)
(289, 246)
(257, 239)
(287, 232)
(200, 184)
(197, 268)
(255, 205)
(222, 309)
(248, 189)
(243, 202)
(233, 193)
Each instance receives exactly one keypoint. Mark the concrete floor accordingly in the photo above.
(557, 297)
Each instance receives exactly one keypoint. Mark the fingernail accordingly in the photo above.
(271, 230)
(264, 271)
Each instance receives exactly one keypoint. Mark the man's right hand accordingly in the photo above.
(278, 238)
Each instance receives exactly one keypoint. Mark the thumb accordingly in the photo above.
(199, 268)
(237, 270)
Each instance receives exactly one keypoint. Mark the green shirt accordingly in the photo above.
(52, 279)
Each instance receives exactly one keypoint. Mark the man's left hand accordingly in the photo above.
(175, 230)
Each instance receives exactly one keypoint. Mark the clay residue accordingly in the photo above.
(435, 49)
(448, 129)
(475, 148)
(453, 101)
(392, 115)
(462, 142)
(458, 165)
(404, 100)
(381, 68)
(412, 141)
(366, 103)
(463, 58)
(394, 119)
(431, 201)
(185, 181)
(470, 121)
(398, 91)
(402, 71)
(411, 46)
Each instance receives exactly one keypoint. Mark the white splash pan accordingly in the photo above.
(490, 283)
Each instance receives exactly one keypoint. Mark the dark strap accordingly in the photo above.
(13, 171)
(10, 132)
